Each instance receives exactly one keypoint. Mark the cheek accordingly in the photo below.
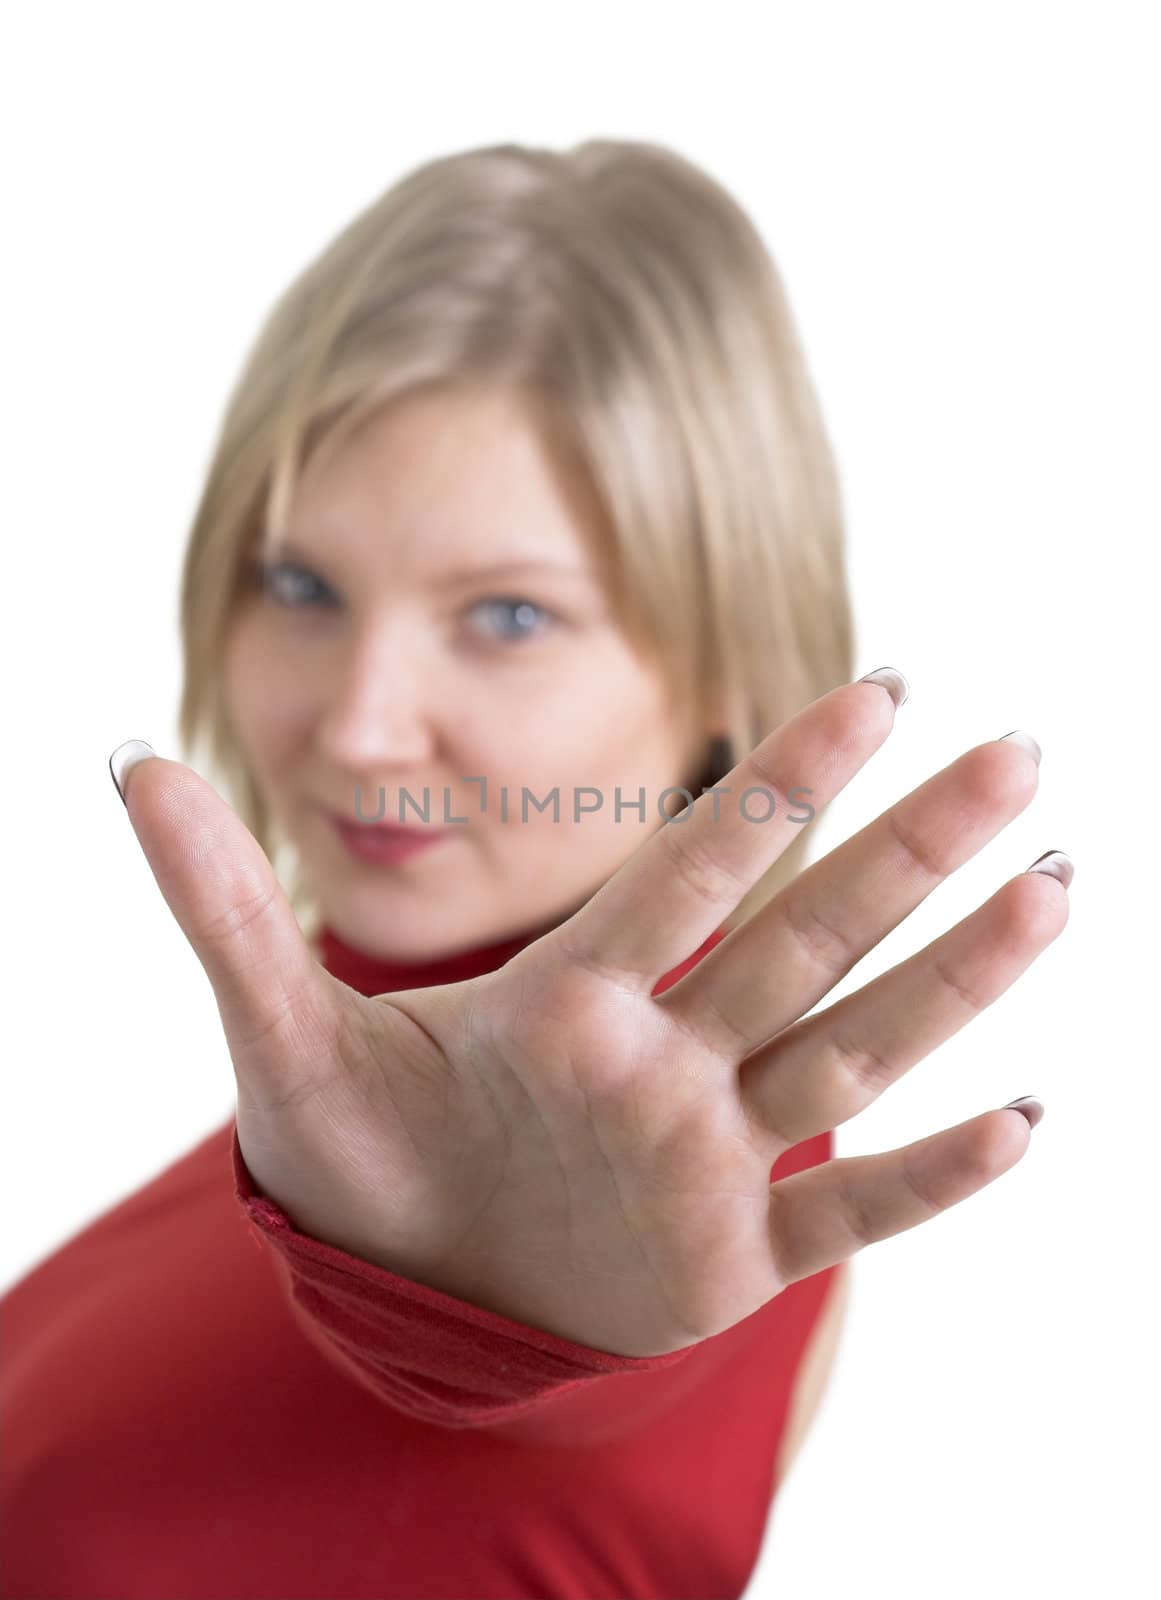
(544, 742)
(235, 679)
(260, 693)
(606, 726)
(621, 732)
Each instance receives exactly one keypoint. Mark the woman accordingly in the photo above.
(486, 1290)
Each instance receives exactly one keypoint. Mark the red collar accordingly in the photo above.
(371, 974)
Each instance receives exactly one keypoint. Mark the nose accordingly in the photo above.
(378, 711)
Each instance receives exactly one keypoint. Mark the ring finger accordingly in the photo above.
(829, 1066)
(770, 971)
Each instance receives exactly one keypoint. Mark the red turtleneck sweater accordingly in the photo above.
(199, 1402)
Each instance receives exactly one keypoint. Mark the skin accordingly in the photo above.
(357, 666)
(550, 1141)
(386, 658)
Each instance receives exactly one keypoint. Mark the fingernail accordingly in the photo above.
(892, 680)
(1026, 742)
(1056, 864)
(125, 758)
(1028, 1106)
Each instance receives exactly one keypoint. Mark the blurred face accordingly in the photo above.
(439, 612)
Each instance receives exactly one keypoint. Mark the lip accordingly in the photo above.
(382, 843)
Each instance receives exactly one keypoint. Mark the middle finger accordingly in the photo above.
(770, 971)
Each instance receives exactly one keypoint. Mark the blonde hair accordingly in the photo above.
(630, 298)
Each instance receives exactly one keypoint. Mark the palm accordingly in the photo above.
(554, 1142)
(582, 1164)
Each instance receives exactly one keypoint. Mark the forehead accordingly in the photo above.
(452, 475)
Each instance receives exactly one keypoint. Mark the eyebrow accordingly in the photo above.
(287, 548)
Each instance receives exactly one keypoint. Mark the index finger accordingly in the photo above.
(675, 890)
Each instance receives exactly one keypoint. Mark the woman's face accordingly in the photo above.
(441, 613)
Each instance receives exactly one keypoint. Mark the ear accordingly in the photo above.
(717, 714)
(721, 757)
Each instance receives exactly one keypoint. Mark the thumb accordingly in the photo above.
(273, 996)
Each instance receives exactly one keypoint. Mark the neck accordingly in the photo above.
(370, 974)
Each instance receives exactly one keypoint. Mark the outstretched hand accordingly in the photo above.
(552, 1142)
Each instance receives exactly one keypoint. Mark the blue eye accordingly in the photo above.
(524, 612)
(271, 579)
(294, 587)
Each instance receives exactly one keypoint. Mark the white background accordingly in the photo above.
(963, 201)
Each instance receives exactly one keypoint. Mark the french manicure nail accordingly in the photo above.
(1026, 742)
(1056, 864)
(124, 759)
(1028, 1106)
(892, 680)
